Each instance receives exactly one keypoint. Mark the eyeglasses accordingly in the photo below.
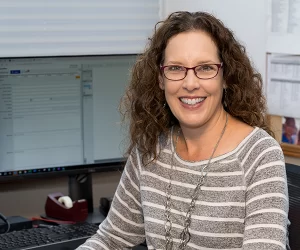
(202, 71)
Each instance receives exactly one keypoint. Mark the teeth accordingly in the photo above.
(191, 101)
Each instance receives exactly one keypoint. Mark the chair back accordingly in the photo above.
(293, 179)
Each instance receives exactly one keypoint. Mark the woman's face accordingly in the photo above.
(289, 131)
(193, 101)
(290, 128)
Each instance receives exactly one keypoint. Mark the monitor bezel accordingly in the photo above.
(110, 165)
(105, 165)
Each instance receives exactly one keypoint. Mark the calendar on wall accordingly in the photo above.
(283, 99)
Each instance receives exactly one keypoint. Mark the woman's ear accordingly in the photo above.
(161, 82)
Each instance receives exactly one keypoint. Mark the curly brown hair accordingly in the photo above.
(143, 103)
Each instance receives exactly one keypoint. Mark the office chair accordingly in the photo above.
(293, 179)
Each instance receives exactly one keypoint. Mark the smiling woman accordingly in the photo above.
(195, 99)
(203, 169)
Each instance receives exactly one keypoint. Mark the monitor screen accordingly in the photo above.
(60, 114)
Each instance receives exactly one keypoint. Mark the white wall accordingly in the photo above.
(77, 27)
(247, 19)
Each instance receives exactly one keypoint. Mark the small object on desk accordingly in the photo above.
(58, 206)
(15, 223)
(38, 221)
(104, 206)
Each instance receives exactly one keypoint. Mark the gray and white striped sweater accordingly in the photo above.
(243, 204)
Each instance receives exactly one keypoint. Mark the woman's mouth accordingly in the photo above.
(192, 101)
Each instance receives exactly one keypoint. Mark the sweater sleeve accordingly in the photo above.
(267, 203)
(123, 227)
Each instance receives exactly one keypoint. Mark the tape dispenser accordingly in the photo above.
(59, 206)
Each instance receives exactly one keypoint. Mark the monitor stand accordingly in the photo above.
(80, 187)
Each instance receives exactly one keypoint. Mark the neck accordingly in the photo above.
(198, 143)
(210, 128)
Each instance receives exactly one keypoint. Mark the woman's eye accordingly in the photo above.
(175, 68)
(205, 68)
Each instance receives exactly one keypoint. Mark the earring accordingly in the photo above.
(225, 97)
(165, 104)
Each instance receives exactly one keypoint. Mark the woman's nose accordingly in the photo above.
(191, 81)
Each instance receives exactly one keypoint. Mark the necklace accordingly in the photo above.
(185, 234)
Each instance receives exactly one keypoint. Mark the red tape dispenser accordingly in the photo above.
(62, 207)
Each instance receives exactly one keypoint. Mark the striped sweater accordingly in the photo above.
(242, 205)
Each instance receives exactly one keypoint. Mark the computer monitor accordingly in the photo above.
(59, 115)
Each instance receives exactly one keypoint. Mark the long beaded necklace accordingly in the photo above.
(185, 234)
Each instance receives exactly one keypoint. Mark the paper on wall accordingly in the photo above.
(284, 16)
(283, 85)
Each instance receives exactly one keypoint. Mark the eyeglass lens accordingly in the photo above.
(205, 71)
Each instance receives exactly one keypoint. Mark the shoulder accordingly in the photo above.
(260, 150)
(260, 143)
(260, 138)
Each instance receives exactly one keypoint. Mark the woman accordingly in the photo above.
(203, 170)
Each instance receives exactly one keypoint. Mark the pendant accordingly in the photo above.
(169, 245)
